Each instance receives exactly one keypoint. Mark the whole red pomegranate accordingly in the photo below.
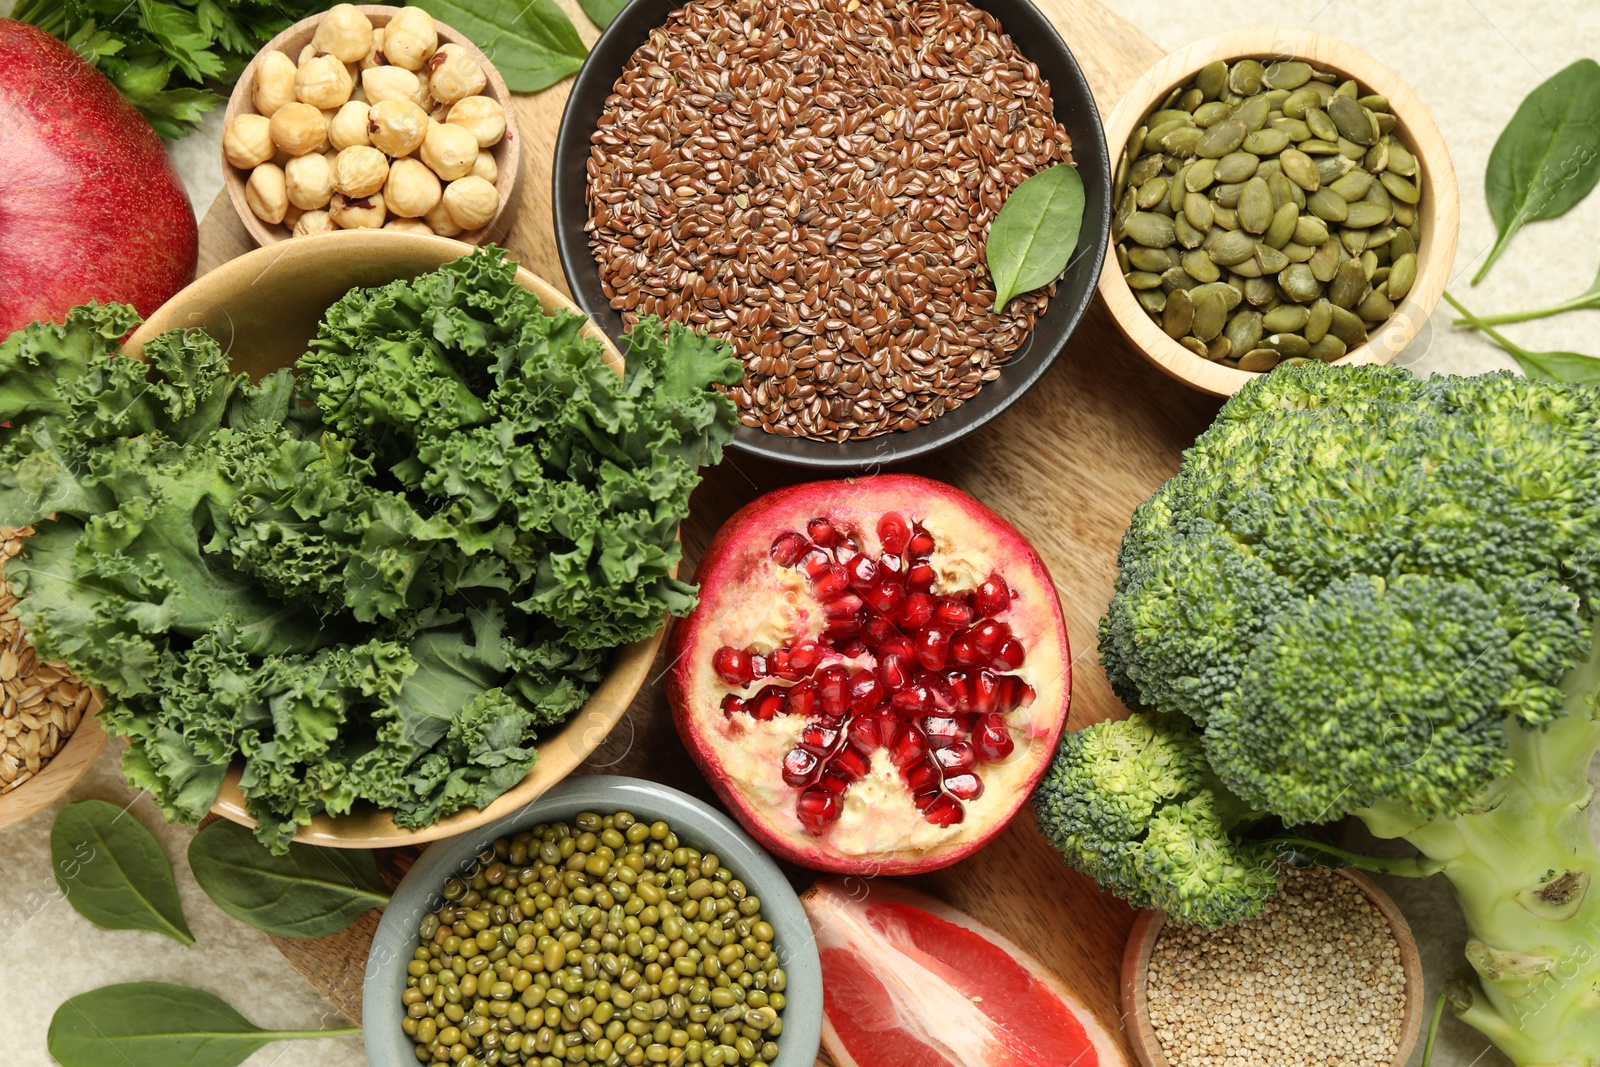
(876, 675)
(90, 206)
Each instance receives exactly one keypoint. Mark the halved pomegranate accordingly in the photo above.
(876, 674)
(909, 981)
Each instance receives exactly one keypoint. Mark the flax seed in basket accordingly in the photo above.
(814, 180)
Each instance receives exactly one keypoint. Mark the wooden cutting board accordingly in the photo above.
(1067, 465)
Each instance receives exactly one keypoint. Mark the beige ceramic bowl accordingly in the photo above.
(507, 154)
(1440, 207)
(263, 307)
(1142, 942)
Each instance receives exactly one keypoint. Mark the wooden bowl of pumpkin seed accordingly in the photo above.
(1280, 197)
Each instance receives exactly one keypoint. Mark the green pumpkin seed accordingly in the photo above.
(1402, 277)
(1349, 284)
(1318, 147)
(1364, 213)
(1259, 292)
(1154, 300)
(1141, 279)
(1353, 241)
(1176, 190)
(1221, 138)
(1255, 205)
(1246, 270)
(1197, 347)
(1227, 195)
(1352, 186)
(1294, 129)
(1298, 253)
(1401, 161)
(1351, 150)
(1299, 283)
(1259, 359)
(1281, 229)
(1236, 167)
(1150, 229)
(1377, 194)
(1269, 259)
(1245, 78)
(1178, 315)
(1188, 236)
(1289, 318)
(1155, 259)
(1136, 142)
(1322, 125)
(1231, 296)
(1219, 349)
(1226, 218)
(1386, 123)
(1375, 307)
(1176, 278)
(1287, 74)
(1287, 345)
(1347, 88)
(1148, 167)
(1123, 262)
(1243, 330)
(1317, 321)
(1190, 100)
(1377, 158)
(1210, 315)
(1158, 130)
(1369, 264)
(1210, 114)
(1197, 209)
(1151, 193)
(1405, 214)
(1327, 349)
(1328, 205)
(1325, 263)
(1230, 248)
(1347, 327)
(1182, 141)
(1266, 142)
(1374, 102)
(1402, 244)
(1300, 169)
(1299, 102)
(1212, 79)
(1310, 230)
(1254, 113)
(1170, 114)
(1285, 191)
(1199, 175)
(1399, 188)
(1199, 266)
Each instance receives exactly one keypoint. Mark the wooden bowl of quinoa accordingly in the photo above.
(1328, 973)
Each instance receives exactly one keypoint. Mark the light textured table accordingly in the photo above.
(1470, 60)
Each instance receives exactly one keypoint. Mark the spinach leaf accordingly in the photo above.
(1548, 158)
(1589, 298)
(1035, 233)
(114, 872)
(307, 892)
(602, 12)
(154, 1024)
(533, 45)
(1556, 366)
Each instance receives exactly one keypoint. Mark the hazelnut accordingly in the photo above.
(266, 193)
(486, 168)
(299, 128)
(412, 189)
(454, 75)
(344, 32)
(440, 222)
(274, 83)
(389, 83)
(449, 150)
(310, 179)
(357, 213)
(291, 215)
(305, 53)
(248, 141)
(409, 226)
(471, 202)
(314, 222)
(410, 38)
(480, 116)
(349, 126)
(360, 171)
(323, 82)
(374, 56)
(397, 127)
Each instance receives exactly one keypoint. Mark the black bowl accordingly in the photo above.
(1075, 109)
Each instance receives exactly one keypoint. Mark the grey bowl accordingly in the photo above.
(697, 824)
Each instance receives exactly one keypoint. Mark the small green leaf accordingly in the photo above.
(308, 892)
(533, 45)
(1548, 157)
(114, 872)
(154, 1024)
(1035, 233)
(1572, 367)
(601, 12)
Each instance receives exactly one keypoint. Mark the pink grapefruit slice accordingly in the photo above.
(909, 981)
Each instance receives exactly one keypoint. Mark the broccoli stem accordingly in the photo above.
(1524, 867)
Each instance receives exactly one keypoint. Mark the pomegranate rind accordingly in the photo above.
(885, 992)
(747, 599)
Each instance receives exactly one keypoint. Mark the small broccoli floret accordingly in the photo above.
(1132, 805)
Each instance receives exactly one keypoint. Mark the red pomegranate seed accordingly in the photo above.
(893, 671)
(778, 665)
(894, 533)
(831, 583)
(769, 703)
(836, 784)
(992, 739)
(734, 705)
(987, 635)
(1009, 656)
(814, 562)
(788, 547)
(865, 692)
(847, 764)
(955, 758)
(948, 611)
(803, 699)
(992, 596)
(801, 768)
(832, 683)
(758, 665)
(863, 571)
(898, 645)
(819, 738)
(933, 647)
(732, 665)
(886, 725)
(921, 578)
(943, 810)
(960, 689)
(885, 597)
(817, 810)
(921, 544)
(964, 786)
(843, 607)
(942, 730)
(841, 632)
(822, 532)
(985, 690)
(890, 564)
(845, 553)
(939, 688)
(923, 776)
(804, 656)
(878, 630)
(916, 611)
(964, 652)
(866, 734)
(913, 702)
(909, 747)
(854, 649)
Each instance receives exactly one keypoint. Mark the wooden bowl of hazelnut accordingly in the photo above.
(367, 117)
